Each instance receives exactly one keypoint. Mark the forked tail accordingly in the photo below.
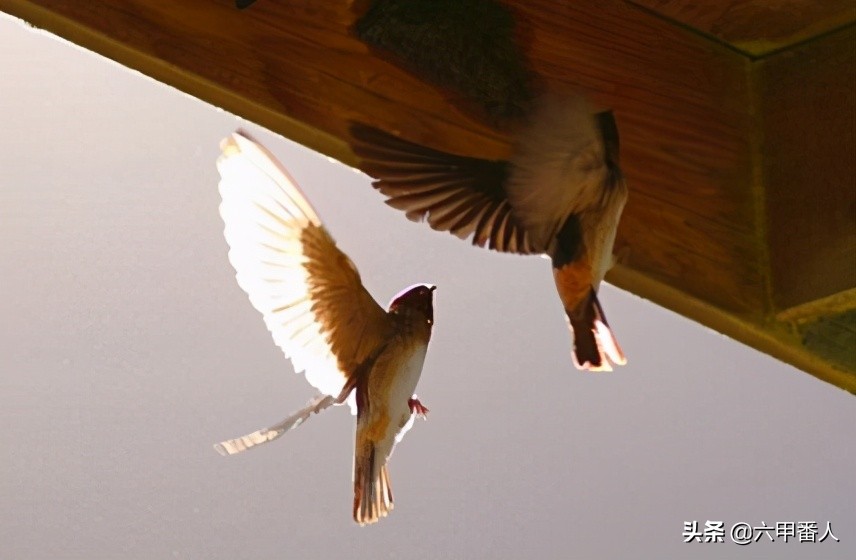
(372, 492)
(595, 347)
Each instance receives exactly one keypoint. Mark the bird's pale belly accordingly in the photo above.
(400, 388)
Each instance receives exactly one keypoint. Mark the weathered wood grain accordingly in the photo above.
(682, 104)
(809, 147)
(833, 338)
(758, 27)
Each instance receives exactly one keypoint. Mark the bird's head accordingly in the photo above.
(419, 298)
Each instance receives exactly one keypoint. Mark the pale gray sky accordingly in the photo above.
(128, 350)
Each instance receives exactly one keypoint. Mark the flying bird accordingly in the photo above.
(315, 306)
(561, 194)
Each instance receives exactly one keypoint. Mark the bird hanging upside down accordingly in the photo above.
(560, 195)
(315, 306)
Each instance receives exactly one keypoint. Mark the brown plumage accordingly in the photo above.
(315, 306)
(561, 195)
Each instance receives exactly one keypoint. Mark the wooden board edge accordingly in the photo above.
(776, 340)
(189, 83)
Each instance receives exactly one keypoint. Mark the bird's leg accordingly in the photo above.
(350, 384)
(417, 407)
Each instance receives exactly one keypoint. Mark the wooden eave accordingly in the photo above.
(737, 130)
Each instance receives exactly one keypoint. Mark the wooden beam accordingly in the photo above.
(782, 340)
(833, 338)
(685, 105)
(758, 27)
(681, 102)
(809, 166)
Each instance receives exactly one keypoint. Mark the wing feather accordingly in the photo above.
(308, 291)
(462, 195)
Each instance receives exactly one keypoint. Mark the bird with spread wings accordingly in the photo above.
(320, 314)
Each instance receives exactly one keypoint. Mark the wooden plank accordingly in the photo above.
(833, 338)
(784, 341)
(809, 112)
(683, 107)
(758, 27)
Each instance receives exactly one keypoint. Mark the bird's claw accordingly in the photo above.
(418, 408)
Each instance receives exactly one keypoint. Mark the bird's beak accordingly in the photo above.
(432, 288)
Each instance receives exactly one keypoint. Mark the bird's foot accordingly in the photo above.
(418, 408)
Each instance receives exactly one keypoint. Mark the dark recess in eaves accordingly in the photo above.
(466, 46)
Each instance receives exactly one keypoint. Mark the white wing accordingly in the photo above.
(307, 290)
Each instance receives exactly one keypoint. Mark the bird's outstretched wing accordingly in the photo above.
(462, 195)
(308, 291)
